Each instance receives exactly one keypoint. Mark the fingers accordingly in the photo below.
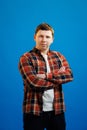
(62, 69)
(41, 75)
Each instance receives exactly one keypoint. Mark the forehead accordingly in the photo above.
(44, 32)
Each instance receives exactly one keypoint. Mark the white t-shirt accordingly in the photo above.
(48, 95)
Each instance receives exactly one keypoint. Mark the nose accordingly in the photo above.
(44, 38)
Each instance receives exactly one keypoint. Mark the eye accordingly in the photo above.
(41, 36)
(47, 36)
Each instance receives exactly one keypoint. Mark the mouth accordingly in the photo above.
(44, 44)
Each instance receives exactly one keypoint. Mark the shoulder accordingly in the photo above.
(56, 53)
(27, 54)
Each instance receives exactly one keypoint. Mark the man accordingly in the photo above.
(43, 72)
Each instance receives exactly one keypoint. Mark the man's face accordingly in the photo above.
(43, 39)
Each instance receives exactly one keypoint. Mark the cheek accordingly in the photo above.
(51, 41)
(38, 39)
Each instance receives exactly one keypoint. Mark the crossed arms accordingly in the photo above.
(46, 80)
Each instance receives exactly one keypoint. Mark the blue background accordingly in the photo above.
(18, 20)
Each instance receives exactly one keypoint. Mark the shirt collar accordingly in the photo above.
(38, 51)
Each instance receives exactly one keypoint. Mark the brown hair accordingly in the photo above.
(44, 26)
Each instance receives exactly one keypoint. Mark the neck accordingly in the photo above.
(43, 51)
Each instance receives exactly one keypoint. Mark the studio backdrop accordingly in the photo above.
(18, 20)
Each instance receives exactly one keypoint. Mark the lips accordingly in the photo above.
(43, 44)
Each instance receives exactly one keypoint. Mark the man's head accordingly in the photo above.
(44, 26)
(44, 36)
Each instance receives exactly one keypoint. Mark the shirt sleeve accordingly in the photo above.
(61, 77)
(29, 75)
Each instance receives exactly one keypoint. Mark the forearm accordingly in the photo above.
(60, 77)
(30, 76)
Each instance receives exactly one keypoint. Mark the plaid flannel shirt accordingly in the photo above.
(32, 63)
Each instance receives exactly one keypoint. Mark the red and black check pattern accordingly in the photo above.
(33, 63)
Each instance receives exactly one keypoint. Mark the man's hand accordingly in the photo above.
(43, 76)
(62, 69)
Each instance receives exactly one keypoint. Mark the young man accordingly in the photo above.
(43, 72)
